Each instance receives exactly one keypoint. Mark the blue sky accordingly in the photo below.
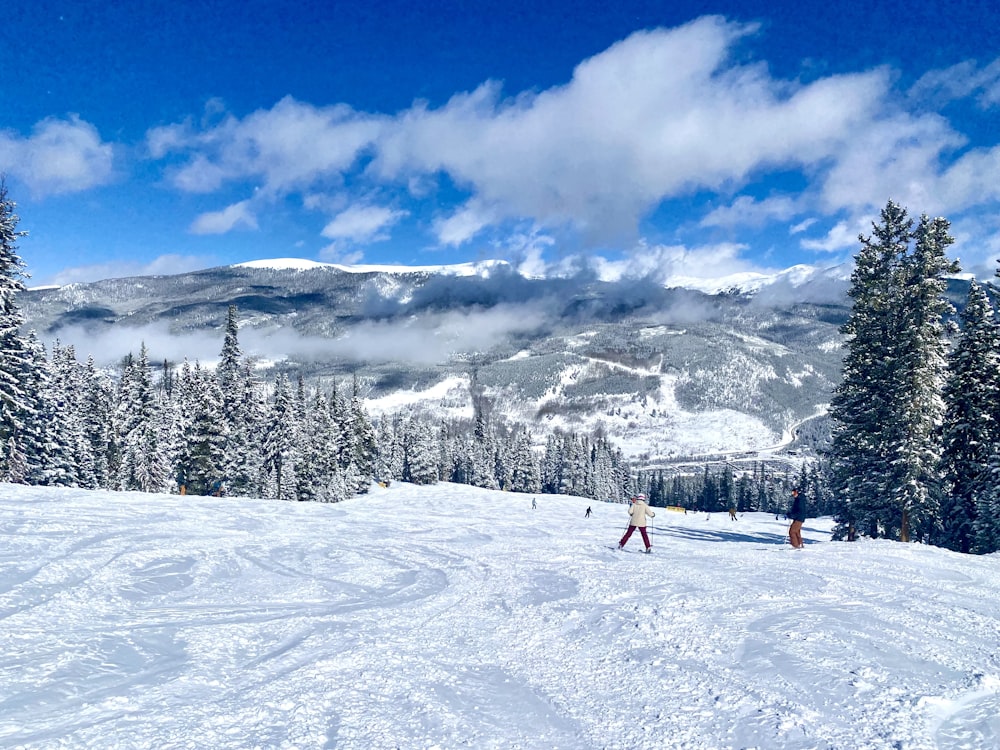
(683, 138)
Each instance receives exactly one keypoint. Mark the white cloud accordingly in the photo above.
(463, 224)
(897, 158)
(288, 147)
(665, 265)
(802, 226)
(842, 236)
(60, 156)
(333, 253)
(673, 264)
(746, 211)
(163, 265)
(110, 345)
(362, 223)
(219, 222)
(963, 80)
(658, 115)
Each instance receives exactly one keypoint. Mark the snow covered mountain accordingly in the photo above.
(666, 371)
(137, 621)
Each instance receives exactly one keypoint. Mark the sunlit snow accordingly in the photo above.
(447, 617)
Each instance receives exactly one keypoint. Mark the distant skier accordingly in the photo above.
(534, 505)
(798, 515)
(637, 514)
(732, 514)
(587, 514)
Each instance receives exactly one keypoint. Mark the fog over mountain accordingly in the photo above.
(664, 369)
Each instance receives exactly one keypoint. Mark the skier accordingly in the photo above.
(798, 516)
(732, 514)
(637, 514)
(534, 505)
(587, 514)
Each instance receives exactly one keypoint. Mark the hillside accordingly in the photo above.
(667, 372)
(463, 618)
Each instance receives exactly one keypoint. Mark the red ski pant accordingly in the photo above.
(642, 530)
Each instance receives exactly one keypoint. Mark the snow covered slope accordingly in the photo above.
(447, 616)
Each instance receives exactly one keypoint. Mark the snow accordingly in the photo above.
(447, 616)
(448, 397)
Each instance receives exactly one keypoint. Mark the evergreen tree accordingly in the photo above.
(861, 405)
(525, 472)
(96, 393)
(969, 430)
(230, 371)
(281, 444)
(205, 436)
(364, 447)
(69, 454)
(884, 455)
(987, 523)
(389, 462)
(922, 349)
(244, 457)
(36, 437)
(419, 460)
(142, 466)
(239, 449)
(15, 400)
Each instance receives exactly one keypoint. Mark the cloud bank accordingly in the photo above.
(662, 114)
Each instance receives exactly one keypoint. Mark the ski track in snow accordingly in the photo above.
(449, 617)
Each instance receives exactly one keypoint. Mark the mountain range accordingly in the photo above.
(736, 366)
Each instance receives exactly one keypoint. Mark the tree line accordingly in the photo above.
(758, 488)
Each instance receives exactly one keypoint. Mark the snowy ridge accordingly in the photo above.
(464, 618)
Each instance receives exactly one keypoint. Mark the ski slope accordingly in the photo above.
(451, 617)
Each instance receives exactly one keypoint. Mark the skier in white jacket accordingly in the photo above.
(638, 513)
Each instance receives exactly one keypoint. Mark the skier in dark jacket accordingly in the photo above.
(798, 516)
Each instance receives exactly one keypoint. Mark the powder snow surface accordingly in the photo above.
(452, 617)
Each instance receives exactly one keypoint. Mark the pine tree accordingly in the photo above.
(922, 348)
(861, 405)
(389, 461)
(230, 372)
(15, 400)
(969, 430)
(987, 523)
(142, 466)
(35, 437)
(244, 457)
(886, 410)
(237, 400)
(67, 454)
(525, 473)
(419, 460)
(363, 443)
(281, 444)
(205, 437)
